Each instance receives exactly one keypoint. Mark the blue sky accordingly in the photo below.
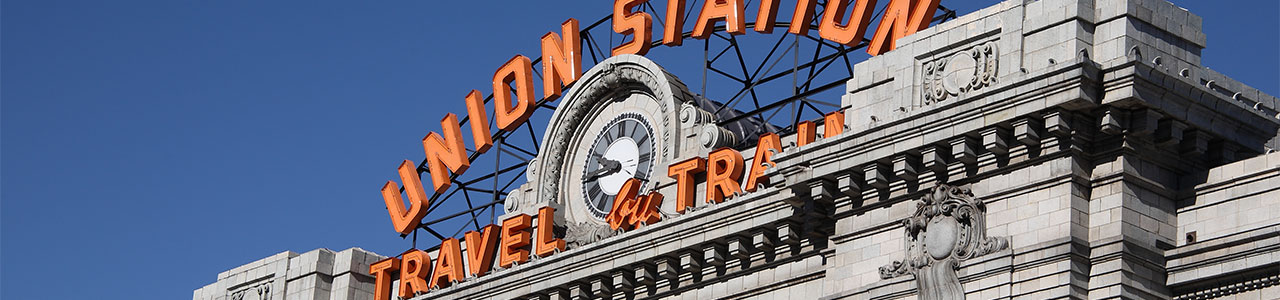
(148, 145)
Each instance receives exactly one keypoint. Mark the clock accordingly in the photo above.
(623, 150)
(622, 120)
(619, 140)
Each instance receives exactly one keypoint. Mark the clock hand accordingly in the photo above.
(609, 164)
(595, 174)
(601, 172)
(607, 167)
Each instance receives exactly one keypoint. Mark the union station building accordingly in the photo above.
(1055, 149)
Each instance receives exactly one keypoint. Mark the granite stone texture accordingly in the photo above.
(318, 274)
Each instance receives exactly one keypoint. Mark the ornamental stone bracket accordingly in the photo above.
(812, 200)
(949, 227)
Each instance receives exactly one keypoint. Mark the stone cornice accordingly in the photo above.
(706, 224)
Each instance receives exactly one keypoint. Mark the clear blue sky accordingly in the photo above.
(149, 145)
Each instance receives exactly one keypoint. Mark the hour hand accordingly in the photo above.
(607, 167)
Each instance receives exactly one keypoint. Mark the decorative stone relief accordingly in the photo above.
(714, 137)
(692, 116)
(531, 171)
(961, 72)
(949, 227)
(260, 291)
(514, 201)
(579, 234)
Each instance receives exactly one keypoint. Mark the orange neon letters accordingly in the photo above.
(562, 65)
(637, 24)
(767, 15)
(480, 134)
(547, 243)
(381, 271)
(713, 10)
(447, 152)
(648, 212)
(480, 249)
(832, 124)
(515, 241)
(631, 209)
(622, 203)
(415, 265)
(642, 209)
(516, 73)
(805, 131)
(802, 17)
(683, 172)
(849, 34)
(901, 18)
(724, 168)
(406, 221)
(561, 59)
(448, 264)
(673, 30)
(763, 157)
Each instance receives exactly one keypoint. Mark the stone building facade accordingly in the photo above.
(318, 274)
(1041, 150)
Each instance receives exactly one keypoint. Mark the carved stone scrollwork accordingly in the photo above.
(514, 201)
(260, 291)
(949, 227)
(962, 72)
(692, 116)
(579, 234)
(531, 171)
(714, 137)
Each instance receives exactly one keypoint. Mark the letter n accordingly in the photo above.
(445, 155)
(901, 18)
(561, 59)
(405, 221)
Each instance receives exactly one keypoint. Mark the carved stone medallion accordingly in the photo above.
(259, 291)
(959, 73)
(949, 227)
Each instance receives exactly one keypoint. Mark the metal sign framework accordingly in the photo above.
(723, 60)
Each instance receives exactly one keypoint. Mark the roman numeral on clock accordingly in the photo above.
(594, 189)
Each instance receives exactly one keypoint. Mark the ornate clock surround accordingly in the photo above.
(616, 75)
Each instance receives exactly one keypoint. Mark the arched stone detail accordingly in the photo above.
(621, 74)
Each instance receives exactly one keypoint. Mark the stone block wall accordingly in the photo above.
(320, 274)
(1228, 238)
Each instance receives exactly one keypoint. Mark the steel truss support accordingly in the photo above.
(724, 59)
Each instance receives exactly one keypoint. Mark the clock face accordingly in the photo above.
(622, 150)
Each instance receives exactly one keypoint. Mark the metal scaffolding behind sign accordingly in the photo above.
(793, 81)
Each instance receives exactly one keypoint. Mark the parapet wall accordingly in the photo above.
(316, 274)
